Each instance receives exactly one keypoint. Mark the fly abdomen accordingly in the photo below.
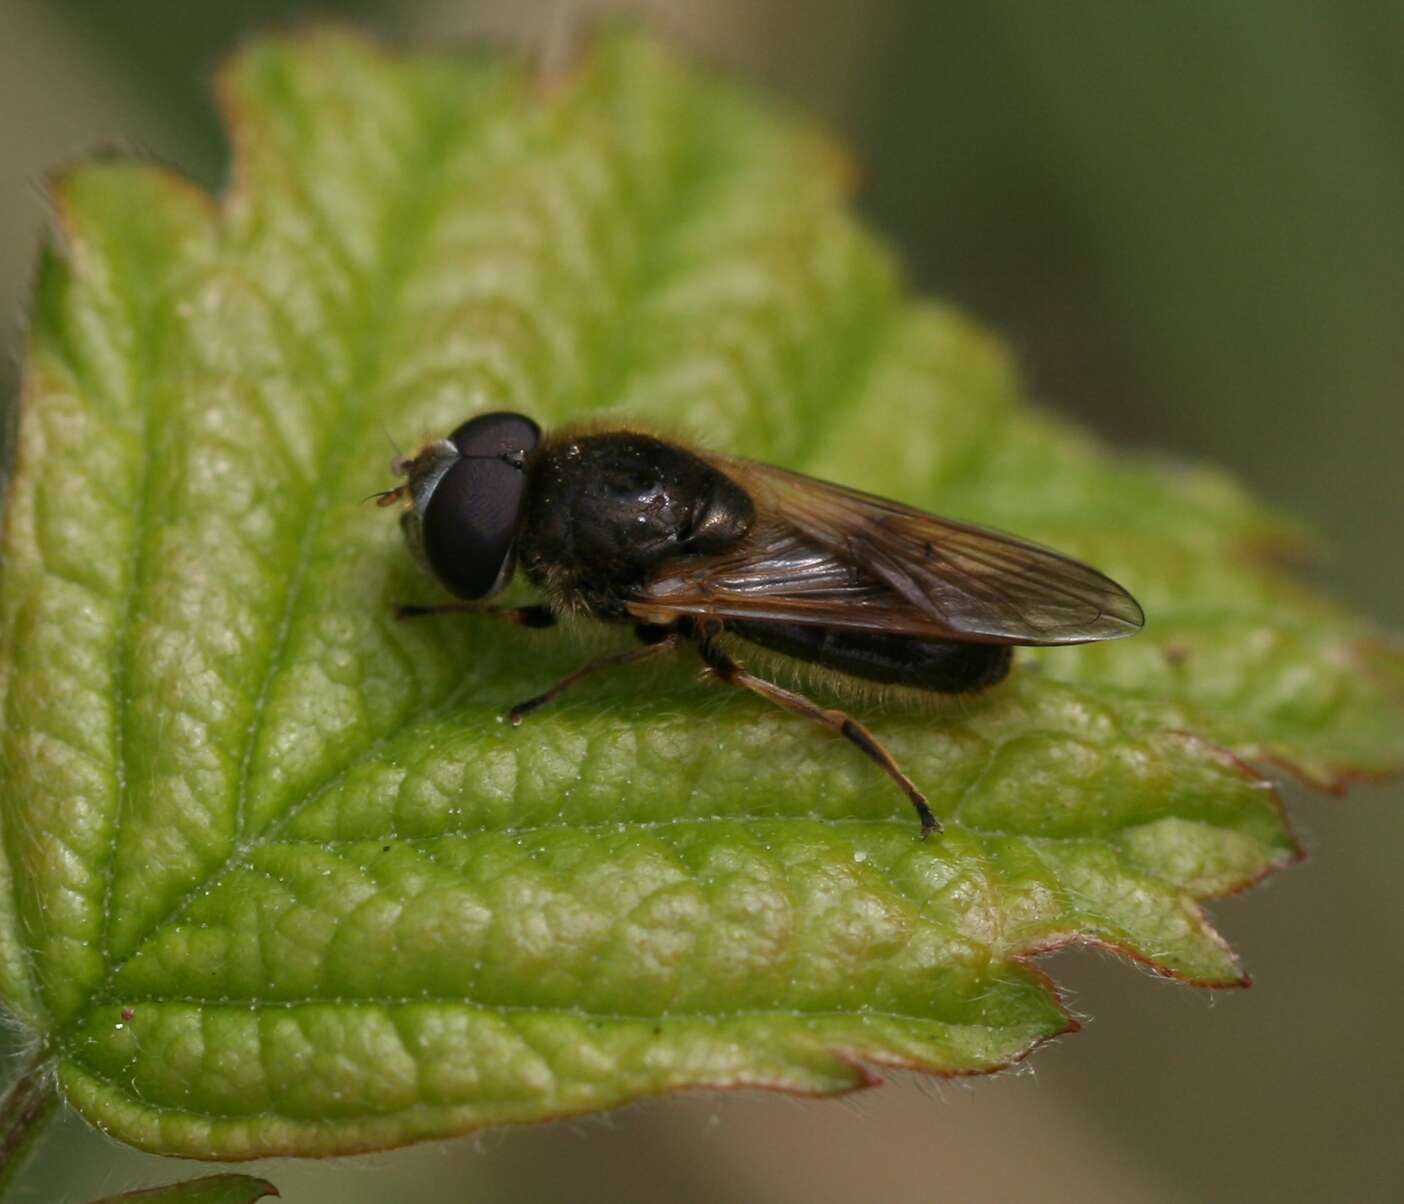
(893, 660)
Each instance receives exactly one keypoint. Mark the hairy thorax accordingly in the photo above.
(608, 513)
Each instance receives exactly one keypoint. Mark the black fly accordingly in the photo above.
(691, 547)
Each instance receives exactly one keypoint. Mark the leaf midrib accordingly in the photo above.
(133, 598)
(687, 196)
(379, 291)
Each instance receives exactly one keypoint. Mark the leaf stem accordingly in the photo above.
(27, 1105)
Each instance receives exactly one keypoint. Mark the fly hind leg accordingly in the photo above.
(734, 675)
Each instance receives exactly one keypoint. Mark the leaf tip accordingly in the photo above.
(111, 175)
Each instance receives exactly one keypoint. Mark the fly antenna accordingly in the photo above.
(386, 497)
(390, 439)
(399, 463)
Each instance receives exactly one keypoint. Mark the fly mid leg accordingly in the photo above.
(522, 616)
(655, 642)
(726, 669)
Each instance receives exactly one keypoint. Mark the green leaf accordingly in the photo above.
(276, 878)
(212, 1189)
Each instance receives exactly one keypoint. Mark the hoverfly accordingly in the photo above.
(691, 547)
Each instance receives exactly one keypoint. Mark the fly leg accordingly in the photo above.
(734, 675)
(657, 641)
(522, 616)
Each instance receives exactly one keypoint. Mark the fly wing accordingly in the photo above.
(832, 556)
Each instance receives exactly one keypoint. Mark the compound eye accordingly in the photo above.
(470, 521)
(512, 437)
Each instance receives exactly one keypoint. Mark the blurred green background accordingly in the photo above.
(1188, 219)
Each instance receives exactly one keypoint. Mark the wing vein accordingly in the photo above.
(848, 560)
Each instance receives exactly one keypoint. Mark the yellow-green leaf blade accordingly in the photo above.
(282, 881)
